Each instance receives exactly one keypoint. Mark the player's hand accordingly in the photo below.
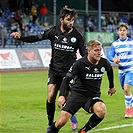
(16, 35)
(111, 91)
(61, 100)
(116, 60)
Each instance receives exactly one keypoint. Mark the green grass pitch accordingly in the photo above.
(22, 106)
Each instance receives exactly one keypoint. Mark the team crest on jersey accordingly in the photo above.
(102, 69)
(73, 39)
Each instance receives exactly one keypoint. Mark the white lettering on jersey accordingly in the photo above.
(63, 47)
(94, 76)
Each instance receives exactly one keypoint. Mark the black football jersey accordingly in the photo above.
(87, 77)
(64, 46)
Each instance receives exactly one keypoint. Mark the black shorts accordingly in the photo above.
(55, 77)
(77, 100)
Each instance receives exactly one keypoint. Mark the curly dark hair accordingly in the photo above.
(68, 11)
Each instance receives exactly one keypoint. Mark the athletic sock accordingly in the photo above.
(53, 129)
(128, 100)
(132, 102)
(50, 112)
(93, 121)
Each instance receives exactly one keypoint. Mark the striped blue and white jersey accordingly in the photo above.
(123, 49)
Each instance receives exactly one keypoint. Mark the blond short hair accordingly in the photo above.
(92, 43)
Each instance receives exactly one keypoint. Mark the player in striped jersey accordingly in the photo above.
(121, 52)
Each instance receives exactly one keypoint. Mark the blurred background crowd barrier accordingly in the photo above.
(97, 19)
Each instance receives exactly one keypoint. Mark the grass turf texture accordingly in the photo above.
(22, 102)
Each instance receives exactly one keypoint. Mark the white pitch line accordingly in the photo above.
(113, 127)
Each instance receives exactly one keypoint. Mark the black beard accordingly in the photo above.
(66, 28)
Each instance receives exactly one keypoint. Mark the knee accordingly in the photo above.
(60, 124)
(127, 89)
(101, 110)
(127, 92)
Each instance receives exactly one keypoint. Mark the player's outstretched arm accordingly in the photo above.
(16, 35)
